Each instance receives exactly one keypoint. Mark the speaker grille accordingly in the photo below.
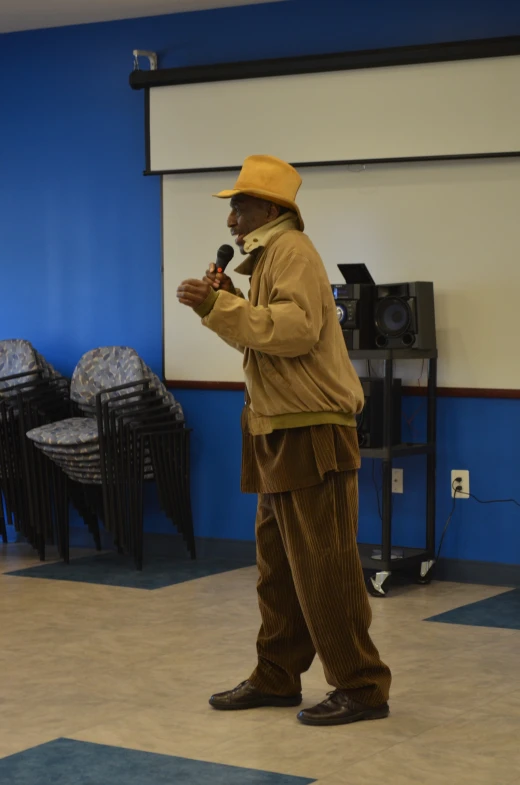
(393, 317)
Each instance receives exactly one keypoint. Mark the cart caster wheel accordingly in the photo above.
(378, 584)
(426, 573)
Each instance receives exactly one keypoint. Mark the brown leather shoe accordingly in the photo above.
(339, 709)
(245, 696)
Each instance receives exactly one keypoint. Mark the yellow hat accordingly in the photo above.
(270, 178)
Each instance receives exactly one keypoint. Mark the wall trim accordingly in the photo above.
(442, 392)
(487, 573)
(188, 385)
(464, 392)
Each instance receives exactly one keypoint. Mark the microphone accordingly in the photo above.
(224, 255)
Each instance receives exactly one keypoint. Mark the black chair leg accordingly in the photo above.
(61, 512)
(83, 499)
(40, 545)
(3, 528)
(63, 516)
(93, 525)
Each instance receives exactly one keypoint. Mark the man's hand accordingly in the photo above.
(219, 280)
(193, 292)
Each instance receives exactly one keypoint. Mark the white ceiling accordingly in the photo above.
(33, 14)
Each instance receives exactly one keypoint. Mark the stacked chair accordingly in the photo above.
(125, 429)
(32, 393)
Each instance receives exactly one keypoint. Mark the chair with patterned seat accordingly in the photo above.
(113, 389)
(19, 364)
(31, 392)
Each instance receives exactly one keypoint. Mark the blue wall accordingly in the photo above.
(80, 232)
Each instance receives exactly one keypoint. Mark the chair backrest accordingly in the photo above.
(17, 356)
(103, 368)
(48, 370)
(166, 395)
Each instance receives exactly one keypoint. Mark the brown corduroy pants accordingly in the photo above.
(312, 594)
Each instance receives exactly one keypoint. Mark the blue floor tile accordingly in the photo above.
(502, 611)
(68, 762)
(112, 569)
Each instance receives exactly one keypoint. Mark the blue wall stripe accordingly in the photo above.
(80, 228)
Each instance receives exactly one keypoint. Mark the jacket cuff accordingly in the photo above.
(204, 308)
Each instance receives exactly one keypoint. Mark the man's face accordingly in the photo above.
(247, 214)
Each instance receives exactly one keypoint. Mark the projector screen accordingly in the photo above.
(466, 107)
(453, 223)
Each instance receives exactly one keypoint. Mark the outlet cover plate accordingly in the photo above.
(464, 482)
(397, 481)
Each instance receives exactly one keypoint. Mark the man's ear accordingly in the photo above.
(274, 212)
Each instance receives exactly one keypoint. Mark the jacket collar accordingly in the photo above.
(261, 237)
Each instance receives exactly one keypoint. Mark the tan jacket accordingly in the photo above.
(296, 365)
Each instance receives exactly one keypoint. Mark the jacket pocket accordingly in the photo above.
(290, 392)
(268, 370)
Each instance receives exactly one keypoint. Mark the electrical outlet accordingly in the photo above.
(460, 481)
(397, 481)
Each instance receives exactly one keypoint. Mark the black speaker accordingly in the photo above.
(404, 316)
(354, 306)
(371, 421)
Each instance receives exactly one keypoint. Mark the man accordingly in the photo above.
(300, 454)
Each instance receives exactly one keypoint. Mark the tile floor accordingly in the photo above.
(130, 670)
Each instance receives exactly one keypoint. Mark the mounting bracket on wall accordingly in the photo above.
(152, 57)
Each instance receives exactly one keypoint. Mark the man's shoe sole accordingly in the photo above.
(362, 716)
(271, 701)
